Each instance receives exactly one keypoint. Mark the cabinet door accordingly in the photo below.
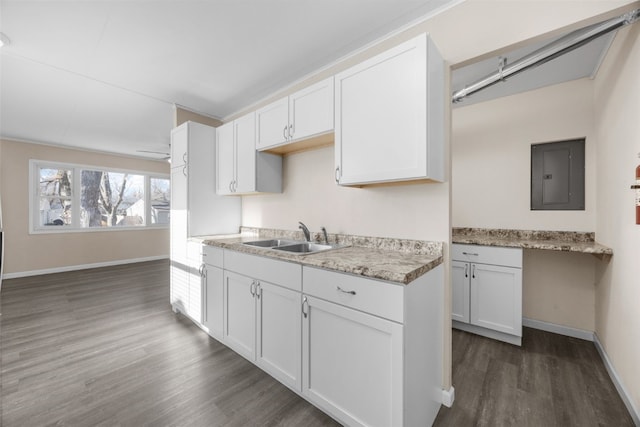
(279, 336)
(460, 291)
(179, 145)
(225, 157)
(213, 318)
(496, 298)
(352, 364)
(245, 140)
(239, 314)
(311, 110)
(381, 118)
(272, 124)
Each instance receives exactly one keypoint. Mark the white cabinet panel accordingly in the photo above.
(213, 316)
(279, 333)
(245, 140)
(496, 298)
(460, 291)
(179, 146)
(352, 364)
(389, 116)
(239, 314)
(282, 273)
(311, 110)
(226, 159)
(272, 122)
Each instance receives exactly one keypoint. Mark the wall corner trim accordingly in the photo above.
(622, 391)
(448, 396)
(81, 267)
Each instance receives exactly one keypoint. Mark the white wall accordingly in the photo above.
(618, 129)
(491, 175)
(491, 152)
(311, 195)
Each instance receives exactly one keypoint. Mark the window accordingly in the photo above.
(81, 198)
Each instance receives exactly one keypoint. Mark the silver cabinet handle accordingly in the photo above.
(473, 271)
(305, 313)
(339, 289)
(235, 185)
(337, 174)
(466, 270)
(230, 187)
(184, 157)
(184, 170)
(258, 290)
(470, 253)
(201, 270)
(284, 133)
(290, 131)
(252, 288)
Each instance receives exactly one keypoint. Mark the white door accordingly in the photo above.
(245, 139)
(240, 314)
(460, 291)
(226, 165)
(213, 317)
(496, 298)
(272, 124)
(279, 333)
(311, 110)
(352, 364)
(381, 116)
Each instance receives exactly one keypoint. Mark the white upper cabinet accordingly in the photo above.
(389, 116)
(302, 115)
(179, 146)
(242, 170)
(273, 124)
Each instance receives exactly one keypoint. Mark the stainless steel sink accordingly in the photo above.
(271, 243)
(293, 246)
(304, 248)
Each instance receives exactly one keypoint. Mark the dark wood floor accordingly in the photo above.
(552, 380)
(101, 347)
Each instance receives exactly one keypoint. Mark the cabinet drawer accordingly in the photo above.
(213, 256)
(371, 296)
(509, 257)
(286, 274)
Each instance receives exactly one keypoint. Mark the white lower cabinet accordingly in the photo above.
(372, 350)
(487, 291)
(262, 319)
(352, 364)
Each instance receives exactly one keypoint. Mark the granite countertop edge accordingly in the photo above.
(398, 266)
(544, 240)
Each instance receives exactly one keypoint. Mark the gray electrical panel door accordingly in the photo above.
(557, 175)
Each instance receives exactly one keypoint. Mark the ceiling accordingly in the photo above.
(105, 75)
(579, 63)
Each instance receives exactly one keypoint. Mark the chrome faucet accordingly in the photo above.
(305, 230)
(326, 239)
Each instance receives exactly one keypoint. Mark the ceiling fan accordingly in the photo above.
(167, 156)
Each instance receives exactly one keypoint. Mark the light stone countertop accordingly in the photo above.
(566, 241)
(394, 260)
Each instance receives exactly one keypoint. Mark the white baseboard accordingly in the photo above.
(81, 267)
(622, 391)
(558, 329)
(448, 396)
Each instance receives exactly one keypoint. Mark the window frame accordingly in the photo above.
(34, 198)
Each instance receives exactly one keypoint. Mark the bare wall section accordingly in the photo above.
(617, 86)
(26, 252)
